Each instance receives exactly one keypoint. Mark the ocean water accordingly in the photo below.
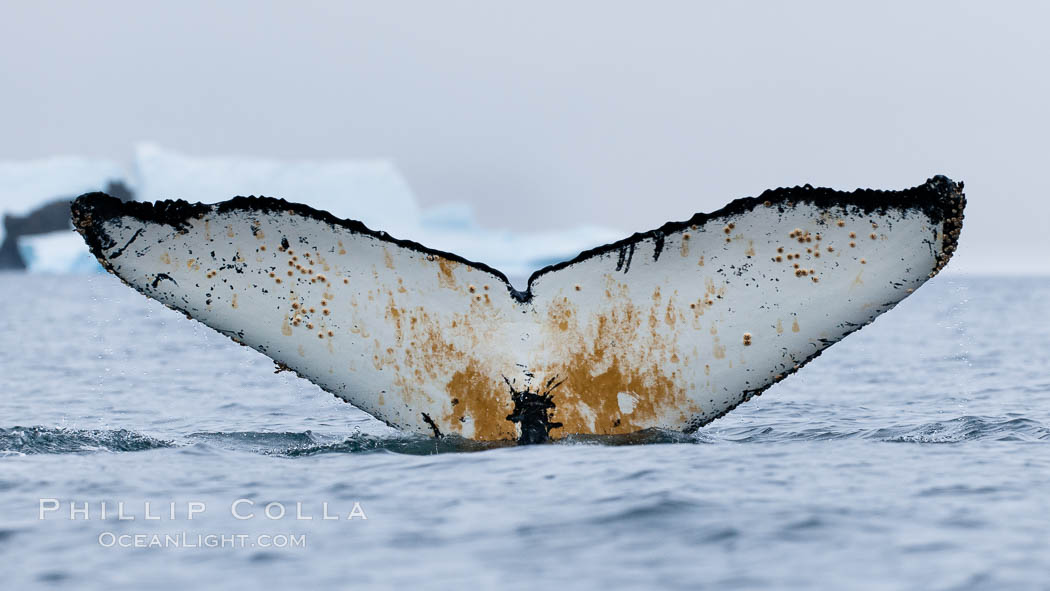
(912, 455)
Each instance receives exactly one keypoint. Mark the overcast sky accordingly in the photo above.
(550, 114)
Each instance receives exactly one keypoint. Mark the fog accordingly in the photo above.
(551, 114)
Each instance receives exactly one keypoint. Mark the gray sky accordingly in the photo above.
(550, 114)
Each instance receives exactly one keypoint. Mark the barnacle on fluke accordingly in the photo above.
(624, 337)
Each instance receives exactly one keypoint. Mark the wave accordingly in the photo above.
(957, 430)
(403, 444)
(45, 440)
(426, 445)
(257, 441)
(967, 428)
(50, 440)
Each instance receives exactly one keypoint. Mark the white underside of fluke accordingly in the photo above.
(670, 329)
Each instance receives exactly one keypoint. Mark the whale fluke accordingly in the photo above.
(667, 329)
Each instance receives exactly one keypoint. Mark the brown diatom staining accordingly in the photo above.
(262, 247)
(816, 254)
(779, 258)
(863, 262)
(727, 229)
(840, 223)
(809, 251)
(295, 305)
(321, 278)
(831, 249)
(290, 251)
(310, 325)
(312, 310)
(320, 335)
(470, 288)
(728, 239)
(291, 263)
(271, 273)
(325, 312)
(324, 302)
(873, 236)
(692, 305)
(331, 334)
(852, 234)
(278, 280)
(576, 287)
(853, 245)
(815, 279)
(790, 256)
(795, 265)
(290, 272)
(874, 226)
(731, 225)
(780, 249)
(685, 236)
(768, 203)
(812, 272)
(295, 258)
(346, 281)
(817, 236)
(800, 272)
(747, 339)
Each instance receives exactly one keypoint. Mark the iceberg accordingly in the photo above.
(516, 254)
(371, 191)
(57, 252)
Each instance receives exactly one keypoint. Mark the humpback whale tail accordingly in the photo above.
(670, 328)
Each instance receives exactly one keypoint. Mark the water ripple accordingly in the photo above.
(49, 440)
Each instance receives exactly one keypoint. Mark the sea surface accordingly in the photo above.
(915, 454)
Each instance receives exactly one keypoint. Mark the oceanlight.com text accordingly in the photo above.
(183, 539)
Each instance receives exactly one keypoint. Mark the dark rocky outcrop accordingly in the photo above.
(53, 216)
